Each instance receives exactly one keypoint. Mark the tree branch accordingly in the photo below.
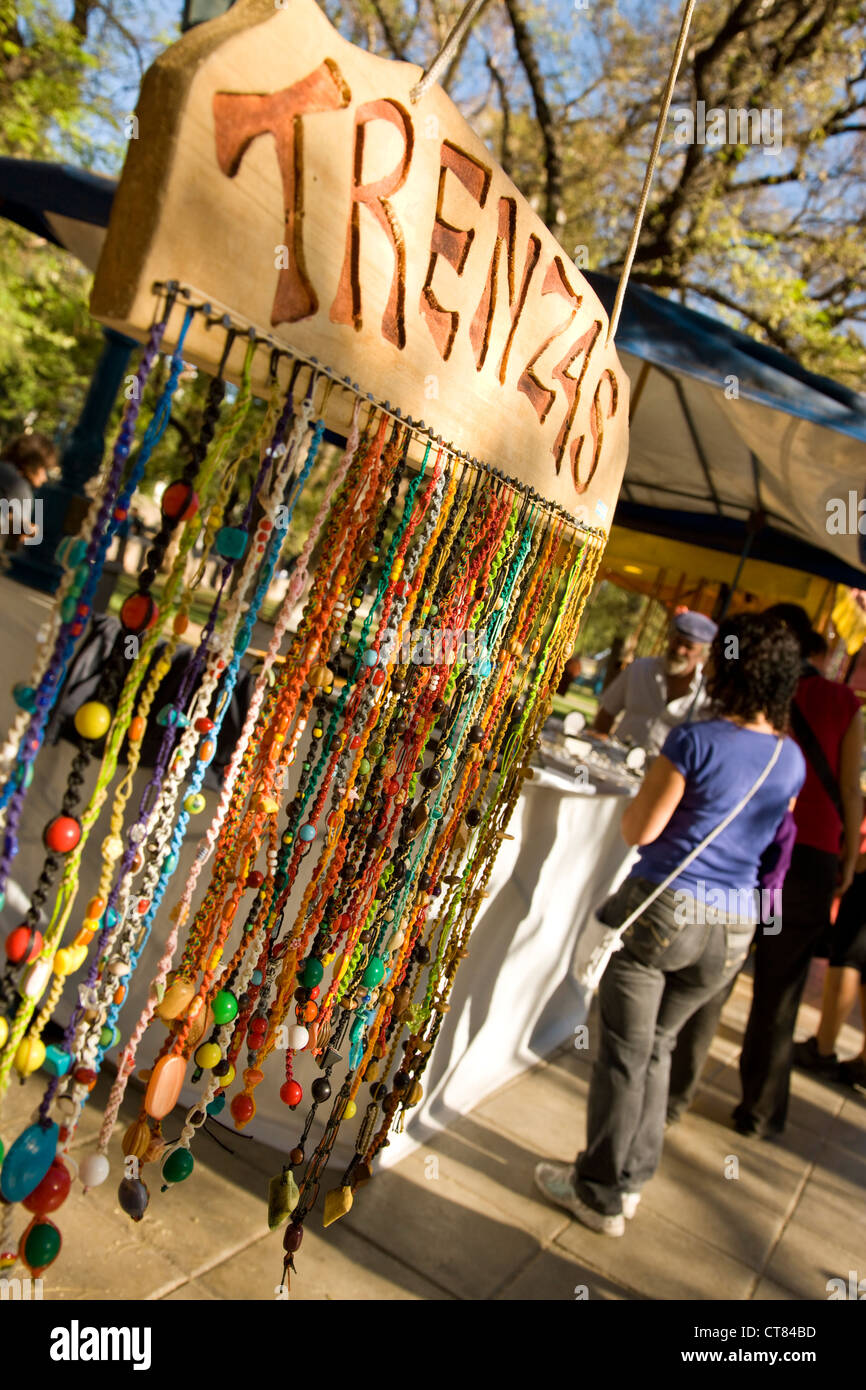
(554, 212)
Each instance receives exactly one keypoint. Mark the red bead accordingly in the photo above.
(258, 1027)
(143, 905)
(356, 741)
(203, 725)
(315, 992)
(138, 612)
(292, 1239)
(83, 609)
(179, 501)
(52, 1192)
(391, 786)
(62, 834)
(255, 879)
(23, 944)
(243, 1107)
(291, 1093)
(120, 513)
(378, 676)
(76, 629)
(86, 1075)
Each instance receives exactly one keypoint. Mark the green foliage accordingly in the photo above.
(610, 613)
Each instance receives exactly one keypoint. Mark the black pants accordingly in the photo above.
(781, 968)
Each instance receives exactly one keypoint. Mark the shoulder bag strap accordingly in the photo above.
(708, 839)
(808, 741)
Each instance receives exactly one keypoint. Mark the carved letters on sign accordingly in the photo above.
(296, 181)
(241, 117)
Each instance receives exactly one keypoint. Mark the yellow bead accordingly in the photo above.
(350, 1111)
(4, 1030)
(30, 1056)
(208, 1055)
(229, 1076)
(92, 720)
(64, 961)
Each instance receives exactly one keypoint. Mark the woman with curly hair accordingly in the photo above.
(734, 769)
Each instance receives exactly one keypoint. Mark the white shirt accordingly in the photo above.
(640, 694)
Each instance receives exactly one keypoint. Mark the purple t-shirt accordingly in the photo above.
(720, 762)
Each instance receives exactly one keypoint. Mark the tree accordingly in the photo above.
(768, 235)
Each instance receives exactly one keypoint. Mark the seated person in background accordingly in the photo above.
(655, 693)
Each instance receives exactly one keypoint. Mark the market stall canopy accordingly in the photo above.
(723, 427)
(67, 206)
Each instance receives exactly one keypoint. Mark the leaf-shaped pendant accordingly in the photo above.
(337, 1203)
(282, 1198)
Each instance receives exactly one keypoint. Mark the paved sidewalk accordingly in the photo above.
(726, 1217)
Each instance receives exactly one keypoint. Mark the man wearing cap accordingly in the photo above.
(655, 693)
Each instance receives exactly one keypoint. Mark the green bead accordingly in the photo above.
(376, 750)
(373, 974)
(42, 1245)
(24, 697)
(68, 608)
(194, 803)
(313, 972)
(178, 1165)
(71, 551)
(225, 1006)
(231, 542)
(106, 1037)
(366, 767)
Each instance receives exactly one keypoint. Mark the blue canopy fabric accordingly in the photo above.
(724, 428)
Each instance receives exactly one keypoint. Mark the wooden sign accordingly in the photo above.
(290, 178)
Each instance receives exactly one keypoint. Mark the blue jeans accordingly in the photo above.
(667, 968)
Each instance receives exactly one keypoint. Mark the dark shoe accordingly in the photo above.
(806, 1057)
(853, 1073)
(745, 1124)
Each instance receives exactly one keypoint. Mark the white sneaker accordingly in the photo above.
(630, 1202)
(556, 1181)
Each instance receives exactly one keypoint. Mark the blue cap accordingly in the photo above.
(696, 626)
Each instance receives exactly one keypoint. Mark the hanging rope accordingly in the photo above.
(651, 167)
(448, 49)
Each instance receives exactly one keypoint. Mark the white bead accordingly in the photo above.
(298, 1038)
(94, 1170)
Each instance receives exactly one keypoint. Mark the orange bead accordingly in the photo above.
(120, 994)
(95, 907)
(180, 624)
(83, 938)
(310, 1011)
(136, 729)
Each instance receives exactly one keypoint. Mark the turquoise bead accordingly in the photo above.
(111, 917)
(169, 716)
(485, 669)
(57, 1062)
(169, 864)
(81, 576)
(28, 1161)
(257, 977)
(370, 657)
(71, 551)
(231, 542)
(24, 697)
(373, 974)
(216, 1106)
(307, 832)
